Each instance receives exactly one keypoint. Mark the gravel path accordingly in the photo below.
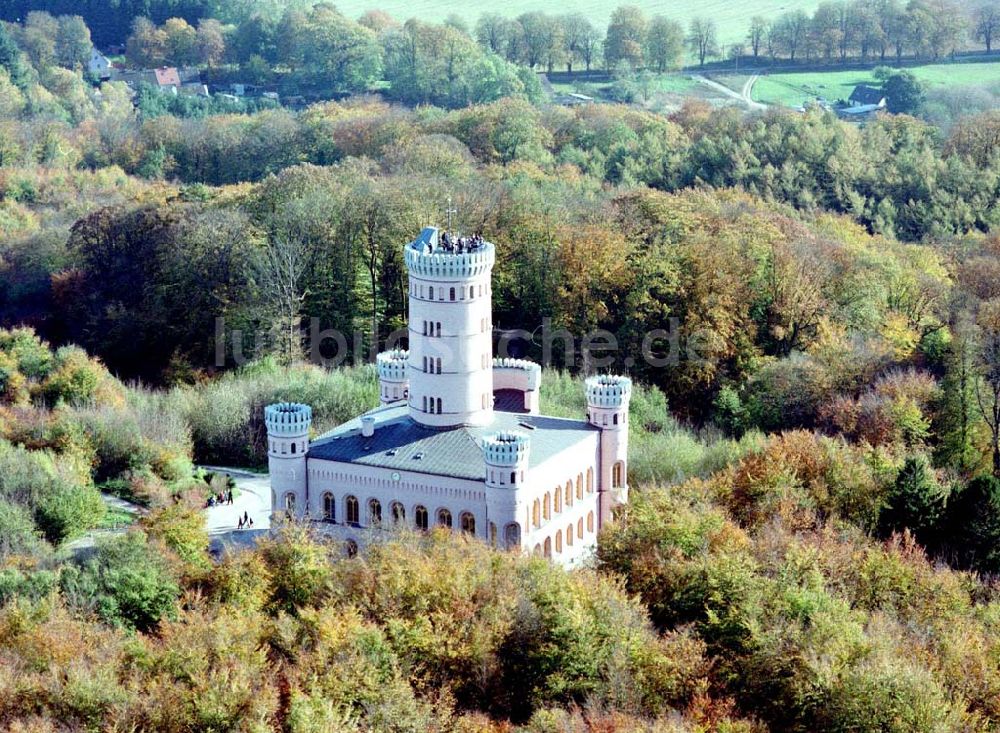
(254, 500)
(745, 96)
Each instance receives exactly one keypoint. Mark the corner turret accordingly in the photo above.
(607, 408)
(506, 455)
(288, 425)
(394, 385)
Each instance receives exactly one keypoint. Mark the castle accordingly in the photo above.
(458, 440)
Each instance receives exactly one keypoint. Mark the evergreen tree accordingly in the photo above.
(916, 501)
(970, 531)
(957, 412)
(11, 59)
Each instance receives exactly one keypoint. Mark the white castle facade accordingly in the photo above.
(458, 441)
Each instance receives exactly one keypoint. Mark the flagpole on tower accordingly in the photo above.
(449, 211)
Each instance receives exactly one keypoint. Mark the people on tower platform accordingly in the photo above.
(458, 245)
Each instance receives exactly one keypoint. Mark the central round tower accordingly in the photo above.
(451, 345)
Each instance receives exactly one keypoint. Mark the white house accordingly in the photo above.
(458, 441)
(99, 65)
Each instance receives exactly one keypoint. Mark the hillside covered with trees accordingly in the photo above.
(810, 310)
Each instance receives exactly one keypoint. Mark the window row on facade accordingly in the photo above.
(285, 449)
(396, 517)
(560, 499)
(442, 293)
(571, 534)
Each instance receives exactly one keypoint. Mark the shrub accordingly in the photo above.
(69, 511)
(127, 583)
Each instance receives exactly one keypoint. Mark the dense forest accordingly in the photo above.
(810, 310)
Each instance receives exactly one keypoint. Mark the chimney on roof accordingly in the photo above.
(368, 426)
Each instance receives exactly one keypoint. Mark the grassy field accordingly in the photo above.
(794, 90)
(731, 16)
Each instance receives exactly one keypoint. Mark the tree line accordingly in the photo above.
(872, 29)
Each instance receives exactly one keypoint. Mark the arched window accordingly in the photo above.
(290, 504)
(351, 548)
(579, 528)
(557, 503)
(537, 552)
(444, 518)
(590, 522)
(472, 292)
(420, 517)
(439, 329)
(452, 294)
(352, 513)
(329, 508)
(374, 512)
(547, 506)
(425, 403)
(439, 406)
(493, 534)
(618, 475)
(468, 523)
(398, 513)
(431, 291)
(293, 449)
(439, 365)
(579, 486)
(614, 419)
(548, 547)
(590, 480)
(569, 494)
(512, 536)
(569, 535)
(534, 513)
(559, 540)
(513, 477)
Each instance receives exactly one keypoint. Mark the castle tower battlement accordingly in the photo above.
(608, 391)
(392, 375)
(288, 419)
(506, 454)
(528, 374)
(427, 257)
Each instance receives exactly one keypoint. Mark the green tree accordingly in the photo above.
(626, 37)
(916, 501)
(664, 44)
(11, 59)
(73, 42)
(904, 93)
(970, 530)
(580, 38)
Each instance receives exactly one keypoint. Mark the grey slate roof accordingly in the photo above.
(453, 452)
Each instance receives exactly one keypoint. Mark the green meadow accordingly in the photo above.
(732, 17)
(795, 89)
